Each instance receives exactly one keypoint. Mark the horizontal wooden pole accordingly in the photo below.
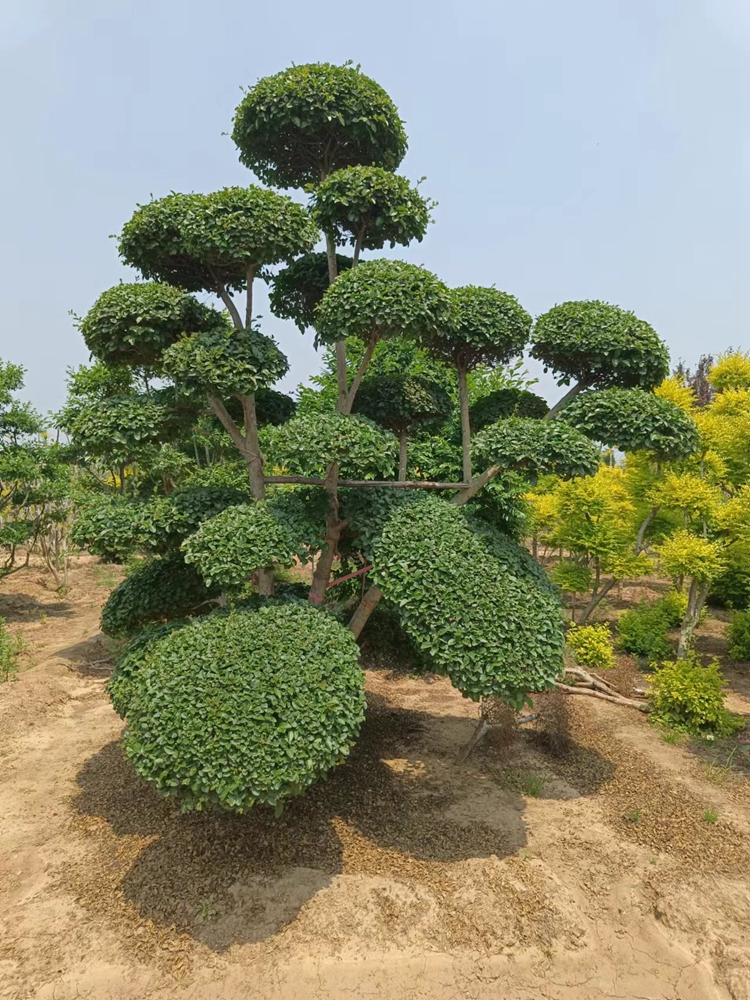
(416, 484)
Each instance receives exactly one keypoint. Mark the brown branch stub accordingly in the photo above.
(615, 699)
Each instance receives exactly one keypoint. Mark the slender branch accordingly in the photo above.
(229, 425)
(645, 525)
(463, 399)
(471, 489)
(349, 576)
(232, 309)
(562, 403)
(358, 245)
(352, 391)
(402, 453)
(252, 452)
(415, 484)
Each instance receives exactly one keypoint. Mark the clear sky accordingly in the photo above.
(577, 149)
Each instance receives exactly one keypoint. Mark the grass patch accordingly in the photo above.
(710, 816)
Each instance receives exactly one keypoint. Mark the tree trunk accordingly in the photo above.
(463, 400)
(562, 403)
(696, 599)
(324, 565)
(365, 608)
(402, 438)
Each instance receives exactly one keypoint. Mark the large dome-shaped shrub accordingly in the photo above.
(251, 707)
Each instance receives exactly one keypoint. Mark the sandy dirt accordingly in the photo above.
(518, 875)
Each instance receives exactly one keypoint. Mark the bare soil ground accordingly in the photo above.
(518, 875)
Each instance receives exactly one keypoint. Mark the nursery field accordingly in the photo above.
(617, 867)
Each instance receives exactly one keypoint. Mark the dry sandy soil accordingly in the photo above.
(517, 875)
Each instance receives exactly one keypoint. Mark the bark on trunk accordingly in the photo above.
(366, 607)
(463, 401)
(696, 599)
(324, 565)
(562, 403)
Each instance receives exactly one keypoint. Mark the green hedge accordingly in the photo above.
(245, 708)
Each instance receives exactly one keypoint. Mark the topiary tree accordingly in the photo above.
(401, 402)
(282, 688)
(598, 344)
(503, 403)
(241, 707)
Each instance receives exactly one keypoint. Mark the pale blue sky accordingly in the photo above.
(578, 149)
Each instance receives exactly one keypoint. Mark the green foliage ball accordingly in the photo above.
(689, 697)
(120, 429)
(739, 636)
(114, 527)
(273, 407)
(383, 298)
(486, 326)
(599, 344)
(305, 446)
(371, 204)
(294, 128)
(225, 363)
(504, 403)
(196, 504)
(400, 401)
(633, 420)
(731, 589)
(227, 548)
(162, 589)
(643, 631)
(536, 446)
(297, 289)
(246, 708)
(199, 241)
(592, 646)
(494, 633)
(134, 324)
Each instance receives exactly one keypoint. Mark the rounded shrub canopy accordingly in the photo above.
(486, 326)
(537, 446)
(133, 324)
(246, 708)
(225, 362)
(370, 205)
(164, 588)
(273, 407)
(305, 446)
(399, 401)
(383, 298)
(297, 289)
(201, 241)
(131, 659)
(599, 344)
(230, 546)
(633, 420)
(503, 403)
(119, 428)
(492, 631)
(296, 127)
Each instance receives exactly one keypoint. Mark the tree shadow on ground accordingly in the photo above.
(91, 657)
(399, 807)
(24, 608)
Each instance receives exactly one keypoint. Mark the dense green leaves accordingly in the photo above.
(114, 527)
(225, 362)
(383, 298)
(369, 207)
(297, 289)
(246, 708)
(599, 344)
(633, 420)
(230, 546)
(494, 632)
(486, 326)
(296, 127)
(536, 446)
(307, 445)
(162, 589)
(400, 401)
(132, 658)
(133, 324)
(504, 403)
(118, 429)
(205, 241)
